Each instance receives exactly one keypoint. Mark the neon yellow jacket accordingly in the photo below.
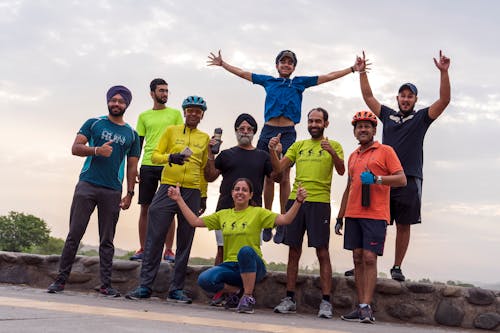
(174, 140)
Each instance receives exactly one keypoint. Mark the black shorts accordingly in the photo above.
(288, 137)
(367, 234)
(313, 217)
(406, 202)
(150, 176)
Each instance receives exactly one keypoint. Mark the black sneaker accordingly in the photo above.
(56, 287)
(109, 291)
(349, 272)
(267, 234)
(397, 274)
(351, 316)
(138, 293)
(279, 235)
(232, 301)
(366, 315)
(179, 296)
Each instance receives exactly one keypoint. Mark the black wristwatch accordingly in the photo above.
(131, 193)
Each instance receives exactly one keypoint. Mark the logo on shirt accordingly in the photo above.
(110, 136)
(400, 119)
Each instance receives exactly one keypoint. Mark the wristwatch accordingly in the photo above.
(131, 193)
(379, 180)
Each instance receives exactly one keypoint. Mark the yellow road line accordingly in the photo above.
(163, 317)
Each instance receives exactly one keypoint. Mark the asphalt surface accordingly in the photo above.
(25, 309)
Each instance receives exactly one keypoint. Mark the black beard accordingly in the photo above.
(159, 100)
(405, 113)
(112, 114)
(318, 135)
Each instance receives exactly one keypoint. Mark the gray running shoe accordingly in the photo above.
(287, 305)
(179, 296)
(397, 274)
(232, 301)
(366, 315)
(351, 316)
(325, 310)
(138, 293)
(56, 287)
(109, 291)
(246, 304)
(349, 272)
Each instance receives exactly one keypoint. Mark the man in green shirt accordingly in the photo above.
(150, 126)
(315, 159)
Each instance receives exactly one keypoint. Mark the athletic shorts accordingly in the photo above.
(288, 136)
(366, 234)
(149, 179)
(313, 217)
(406, 202)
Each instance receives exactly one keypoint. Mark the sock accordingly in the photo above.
(326, 298)
(363, 305)
(396, 267)
(290, 294)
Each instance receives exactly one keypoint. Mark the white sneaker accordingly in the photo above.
(287, 305)
(325, 310)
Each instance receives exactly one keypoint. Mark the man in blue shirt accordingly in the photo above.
(404, 130)
(105, 142)
(282, 111)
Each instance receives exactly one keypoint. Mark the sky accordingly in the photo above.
(58, 58)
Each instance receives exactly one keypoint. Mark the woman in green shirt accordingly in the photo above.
(241, 229)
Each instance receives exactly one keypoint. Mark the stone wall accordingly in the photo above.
(421, 303)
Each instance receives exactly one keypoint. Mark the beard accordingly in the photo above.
(316, 133)
(244, 139)
(114, 113)
(407, 112)
(160, 100)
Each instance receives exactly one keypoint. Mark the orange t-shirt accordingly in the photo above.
(381, 160)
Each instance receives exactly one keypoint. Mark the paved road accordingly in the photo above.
(26, 310)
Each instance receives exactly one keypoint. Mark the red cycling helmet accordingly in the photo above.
(364, 115)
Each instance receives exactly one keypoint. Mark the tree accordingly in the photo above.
(52, 246)
(19, 232)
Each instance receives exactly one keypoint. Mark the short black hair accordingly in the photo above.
(155, 83)
(320, 109)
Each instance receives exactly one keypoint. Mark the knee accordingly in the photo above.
(246, 253)
(369, 258)
(357, 257)
(205, 281)
(323, 254)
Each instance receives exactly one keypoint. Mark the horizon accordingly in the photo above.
(59, 58)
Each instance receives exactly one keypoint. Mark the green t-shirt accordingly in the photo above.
(314, 168)
(240, 228)
(151, 125)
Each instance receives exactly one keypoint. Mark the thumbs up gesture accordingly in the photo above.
(275, 144)
(105, 150)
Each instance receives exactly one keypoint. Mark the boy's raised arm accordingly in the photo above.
(216, 60)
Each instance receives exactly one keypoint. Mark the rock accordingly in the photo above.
(388, 287)
(480, 296)
(32, 259)
(449, 314)
(487, 321)
(8, 257)
(77, 277)
(404, 311)
(452, 291)
(87, 261)
(125, 265)
(420, 288)
(342, 301)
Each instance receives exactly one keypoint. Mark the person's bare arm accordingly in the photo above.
(174, 193)
(372, 103)
(437, 108)
(216, 60)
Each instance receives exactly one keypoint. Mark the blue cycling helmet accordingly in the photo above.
(194, 101)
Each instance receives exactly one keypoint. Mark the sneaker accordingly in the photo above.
(179, 296)
(218, 299)
(279, 236)
(56, 287)
(287, 305)
(325, 309)
(351, 316)
(366, 315)
(109, 291)
(232, 301)
(349, 272)
(138, 255)
(396, 274)
(267, 234)
(138, 293)
(169, 256)
(246, 304)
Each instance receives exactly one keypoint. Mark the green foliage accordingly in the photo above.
(19, 232)
(89, 253)
(52, 246)
(126, 256)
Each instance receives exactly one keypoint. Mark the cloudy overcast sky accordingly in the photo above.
(58, 58)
